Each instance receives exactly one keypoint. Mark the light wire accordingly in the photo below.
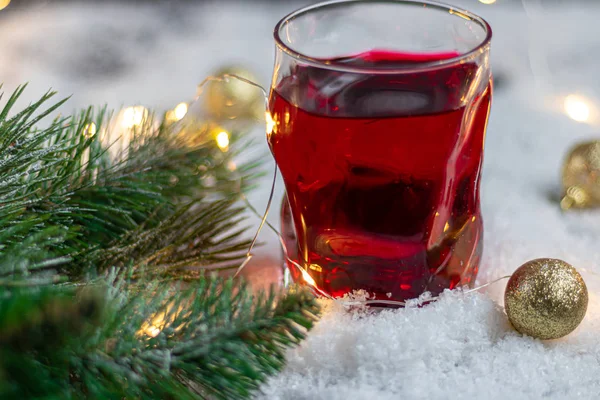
(225, 78)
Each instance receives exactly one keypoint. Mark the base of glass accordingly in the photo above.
(454, 263)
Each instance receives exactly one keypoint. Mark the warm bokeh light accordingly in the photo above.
(134, 116)
(270, 123)
(487, 1)
(4, 4)
(162, 319)
(177, 113)
(577, 108)
(308, 279)
(180, 110)
(154, 327)
(223, 140)
(89, 130)
(152, 331)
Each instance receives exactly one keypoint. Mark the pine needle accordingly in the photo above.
(95, 247)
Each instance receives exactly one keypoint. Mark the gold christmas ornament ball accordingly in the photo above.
(581, 177)
(546, 299)
(234, 99)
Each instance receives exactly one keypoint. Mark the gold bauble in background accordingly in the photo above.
(234, 99)
(581, 177)
(546, 298)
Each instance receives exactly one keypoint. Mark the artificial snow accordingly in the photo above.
(459, 347)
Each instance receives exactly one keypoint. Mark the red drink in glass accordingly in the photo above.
(381, 169)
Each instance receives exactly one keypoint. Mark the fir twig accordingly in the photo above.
(62, 184)
(72, 209)
(209, 340)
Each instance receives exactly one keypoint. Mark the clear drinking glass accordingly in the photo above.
(379, 112)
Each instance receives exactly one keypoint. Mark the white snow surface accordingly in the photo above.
(459, 347)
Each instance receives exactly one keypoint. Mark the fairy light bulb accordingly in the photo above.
(222, 139)
(152, 331)
(270, 122)
(154, 327)
(134, 116)
(89, 130)
(4, 4)
(180, 111)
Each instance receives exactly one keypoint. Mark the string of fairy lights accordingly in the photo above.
(575, 105)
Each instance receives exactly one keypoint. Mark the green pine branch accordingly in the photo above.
(97, 248)
(147, 340)
(64, 178)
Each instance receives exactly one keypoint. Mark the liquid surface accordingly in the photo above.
(382, 174)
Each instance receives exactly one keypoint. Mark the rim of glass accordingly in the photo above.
(423, 66)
